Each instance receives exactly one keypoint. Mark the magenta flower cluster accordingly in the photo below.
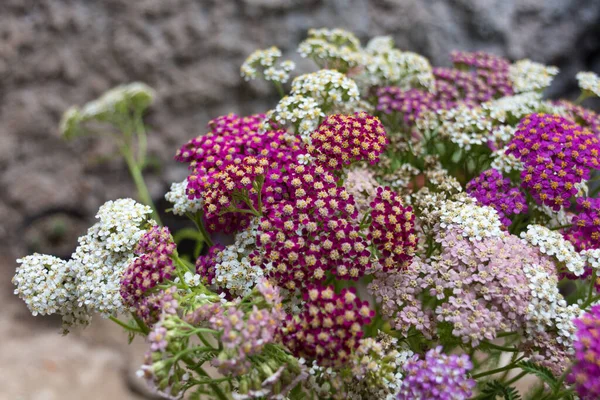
(586, 371)
(392, 229)
(153, 266)
(411, 104)
(437, 377)
(585, 225)
(330, 326)
(557, 154)
(492, 189)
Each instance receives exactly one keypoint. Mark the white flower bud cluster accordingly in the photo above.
(505, 162)
(136, 95)
(182, 204)
(547, 307)
(529, 76)
(553, 244)
(335, 48)
(265, 61)
(474, 221)
(589, 82)
(465, 126)
(380, 45)
(592, 258)
(511, 109)
(233, 269)
(90, 281)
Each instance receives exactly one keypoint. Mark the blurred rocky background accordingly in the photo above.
(55, 53)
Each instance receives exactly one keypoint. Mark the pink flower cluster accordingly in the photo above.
(557, 154)
(343, 139)
(153, 266)
(411, 104)
(492, 189)
(329, 328)
(392, 229)
(157, 305)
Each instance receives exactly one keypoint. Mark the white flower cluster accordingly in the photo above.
(474, 221)
(333, 48)
(182, 204)
(529, 76)
(502, 134)
(465, 126)
(513, 108)
(592, 258)
(265, 60)
(553, 244)
(90, 281)
(505, 162)
(547, 307)
(233, 269)
(589, 82)
(45, 284)
(399, 68)
(301, 112)
(326, 87)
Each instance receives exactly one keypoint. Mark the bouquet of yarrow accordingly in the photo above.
(389, 230)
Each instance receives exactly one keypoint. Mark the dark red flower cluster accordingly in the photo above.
(343, 139)
(310, 230)
(492, 189)
(392, 229)
(153, 266)
(329, 328)
(557, 154)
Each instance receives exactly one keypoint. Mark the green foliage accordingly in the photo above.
(495, 389)
(541, 372)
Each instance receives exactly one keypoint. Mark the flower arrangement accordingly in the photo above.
(392, 230)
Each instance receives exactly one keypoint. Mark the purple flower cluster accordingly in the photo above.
(230, 141)
(491, 69)
(557, 154)
(330, 326)
(411, 104)
(205, 264)
(153, 266)
(156, 305)
(581, 115)
(585, 230)
(437, 377)
(343, 139)
(392, 229)
(586, 371)
(492, 189)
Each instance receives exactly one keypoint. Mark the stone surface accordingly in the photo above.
(54, 53)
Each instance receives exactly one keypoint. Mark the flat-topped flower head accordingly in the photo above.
(492, 189)
(334, 48)
(581, 115)
(437, 377)
(491, 69)
(557, 156)
(410, 104)
(589, 83)
(341, 140)
(330, 326)
(392, 229)
(586, 371)
(529, 76)
(182, 204)
(265, 62)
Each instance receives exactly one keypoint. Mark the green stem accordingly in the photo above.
(516, 378)
(138, 179)
(143, 328)
(200, 225)
(216, 389)
(495, 371)
(124, 325)
(502, 348)
(142, 142)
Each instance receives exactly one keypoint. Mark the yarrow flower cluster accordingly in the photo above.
(557, 155)
(437, 376)
(492, 189)
(388, 230)
(341, 140)
(330, 328)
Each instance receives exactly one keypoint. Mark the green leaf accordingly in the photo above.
(541, 372)
(494, 388)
